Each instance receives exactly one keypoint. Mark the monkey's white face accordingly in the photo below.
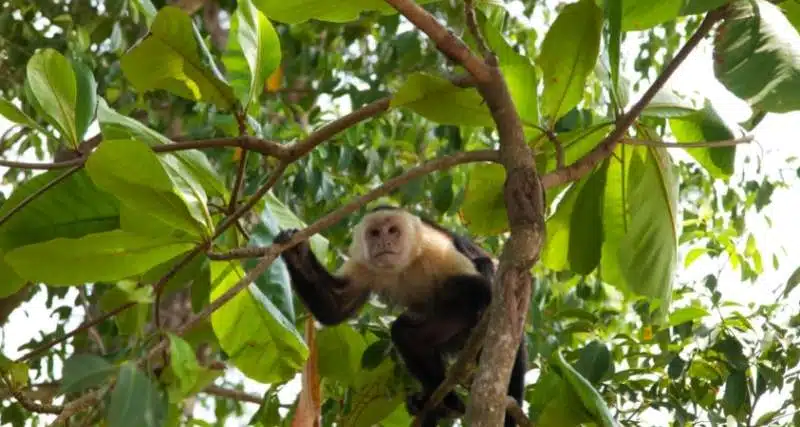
(387, 240)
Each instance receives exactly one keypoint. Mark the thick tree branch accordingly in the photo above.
(519, 416)
(42, 166)
(450, 45)
(585, 164)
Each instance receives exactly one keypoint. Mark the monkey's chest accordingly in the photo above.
(407, 289)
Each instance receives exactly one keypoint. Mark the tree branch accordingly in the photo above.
(585, 164)
(447, 43)
(239, 395)
(42, 166)
(516, 411)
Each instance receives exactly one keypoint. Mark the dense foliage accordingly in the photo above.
(175, 135)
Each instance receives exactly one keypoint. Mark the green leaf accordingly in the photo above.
(736, 392)
(74, 207)
(116, 126)
(52, 83)
(370, 402)
(586, 224)
(348, 346)
(168, 58)
(639, 222)
(252, 331)
(86, 101)
(106, 256)
(276, 284)
(644, 14)
(686, 314)
(439, 100)
(694, 7)
(82, 371)
(706, 125)
(184, 364)
(574, 232)
(569, 53)
(136, 401)
(258, 43)
(592, 400)
(156, 185)
(14, 114)
(595, 362)
(294, 12)
(757, 56)
(792, 282)
(484, 209)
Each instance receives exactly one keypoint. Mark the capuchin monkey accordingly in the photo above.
(441, 279)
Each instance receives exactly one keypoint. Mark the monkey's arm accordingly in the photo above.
(479, 257)
(330, 299)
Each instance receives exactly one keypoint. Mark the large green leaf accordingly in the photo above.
(52, 83)
(184, 365)
(136, 401)
(644, 14)
(706, 125)
(116, 126)
(73, 208)
(484, 207)
(439, 100)
(569, 53)
(640, 222)
(252, 331)
(82, 371)
(757, 56)
(257, 44)
(106, 256)
(169, 58)
(133, 173)
(293, 12)
(348, 346)
(575, 230)
(592, 400)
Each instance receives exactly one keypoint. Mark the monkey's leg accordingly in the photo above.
(420, 342)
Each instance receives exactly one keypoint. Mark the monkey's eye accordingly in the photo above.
(374, 232)
(393, 229)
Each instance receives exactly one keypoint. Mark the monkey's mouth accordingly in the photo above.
(384, 253)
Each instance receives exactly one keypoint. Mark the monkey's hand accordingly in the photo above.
(285, 235)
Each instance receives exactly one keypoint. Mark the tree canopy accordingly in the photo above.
(153, 150)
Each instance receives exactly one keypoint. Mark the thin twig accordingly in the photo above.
(447, 43)
(241, 210)
(42, 166)
(586, 163)
(693, 144)
(301, 148)
(246, 142)
(77, 405)
(239, 395)
(96, 337)
(237, 183)
(30, 405)
(472, 24)
(513, 408)
(33, 196)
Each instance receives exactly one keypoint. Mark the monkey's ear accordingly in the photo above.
(285, 235)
